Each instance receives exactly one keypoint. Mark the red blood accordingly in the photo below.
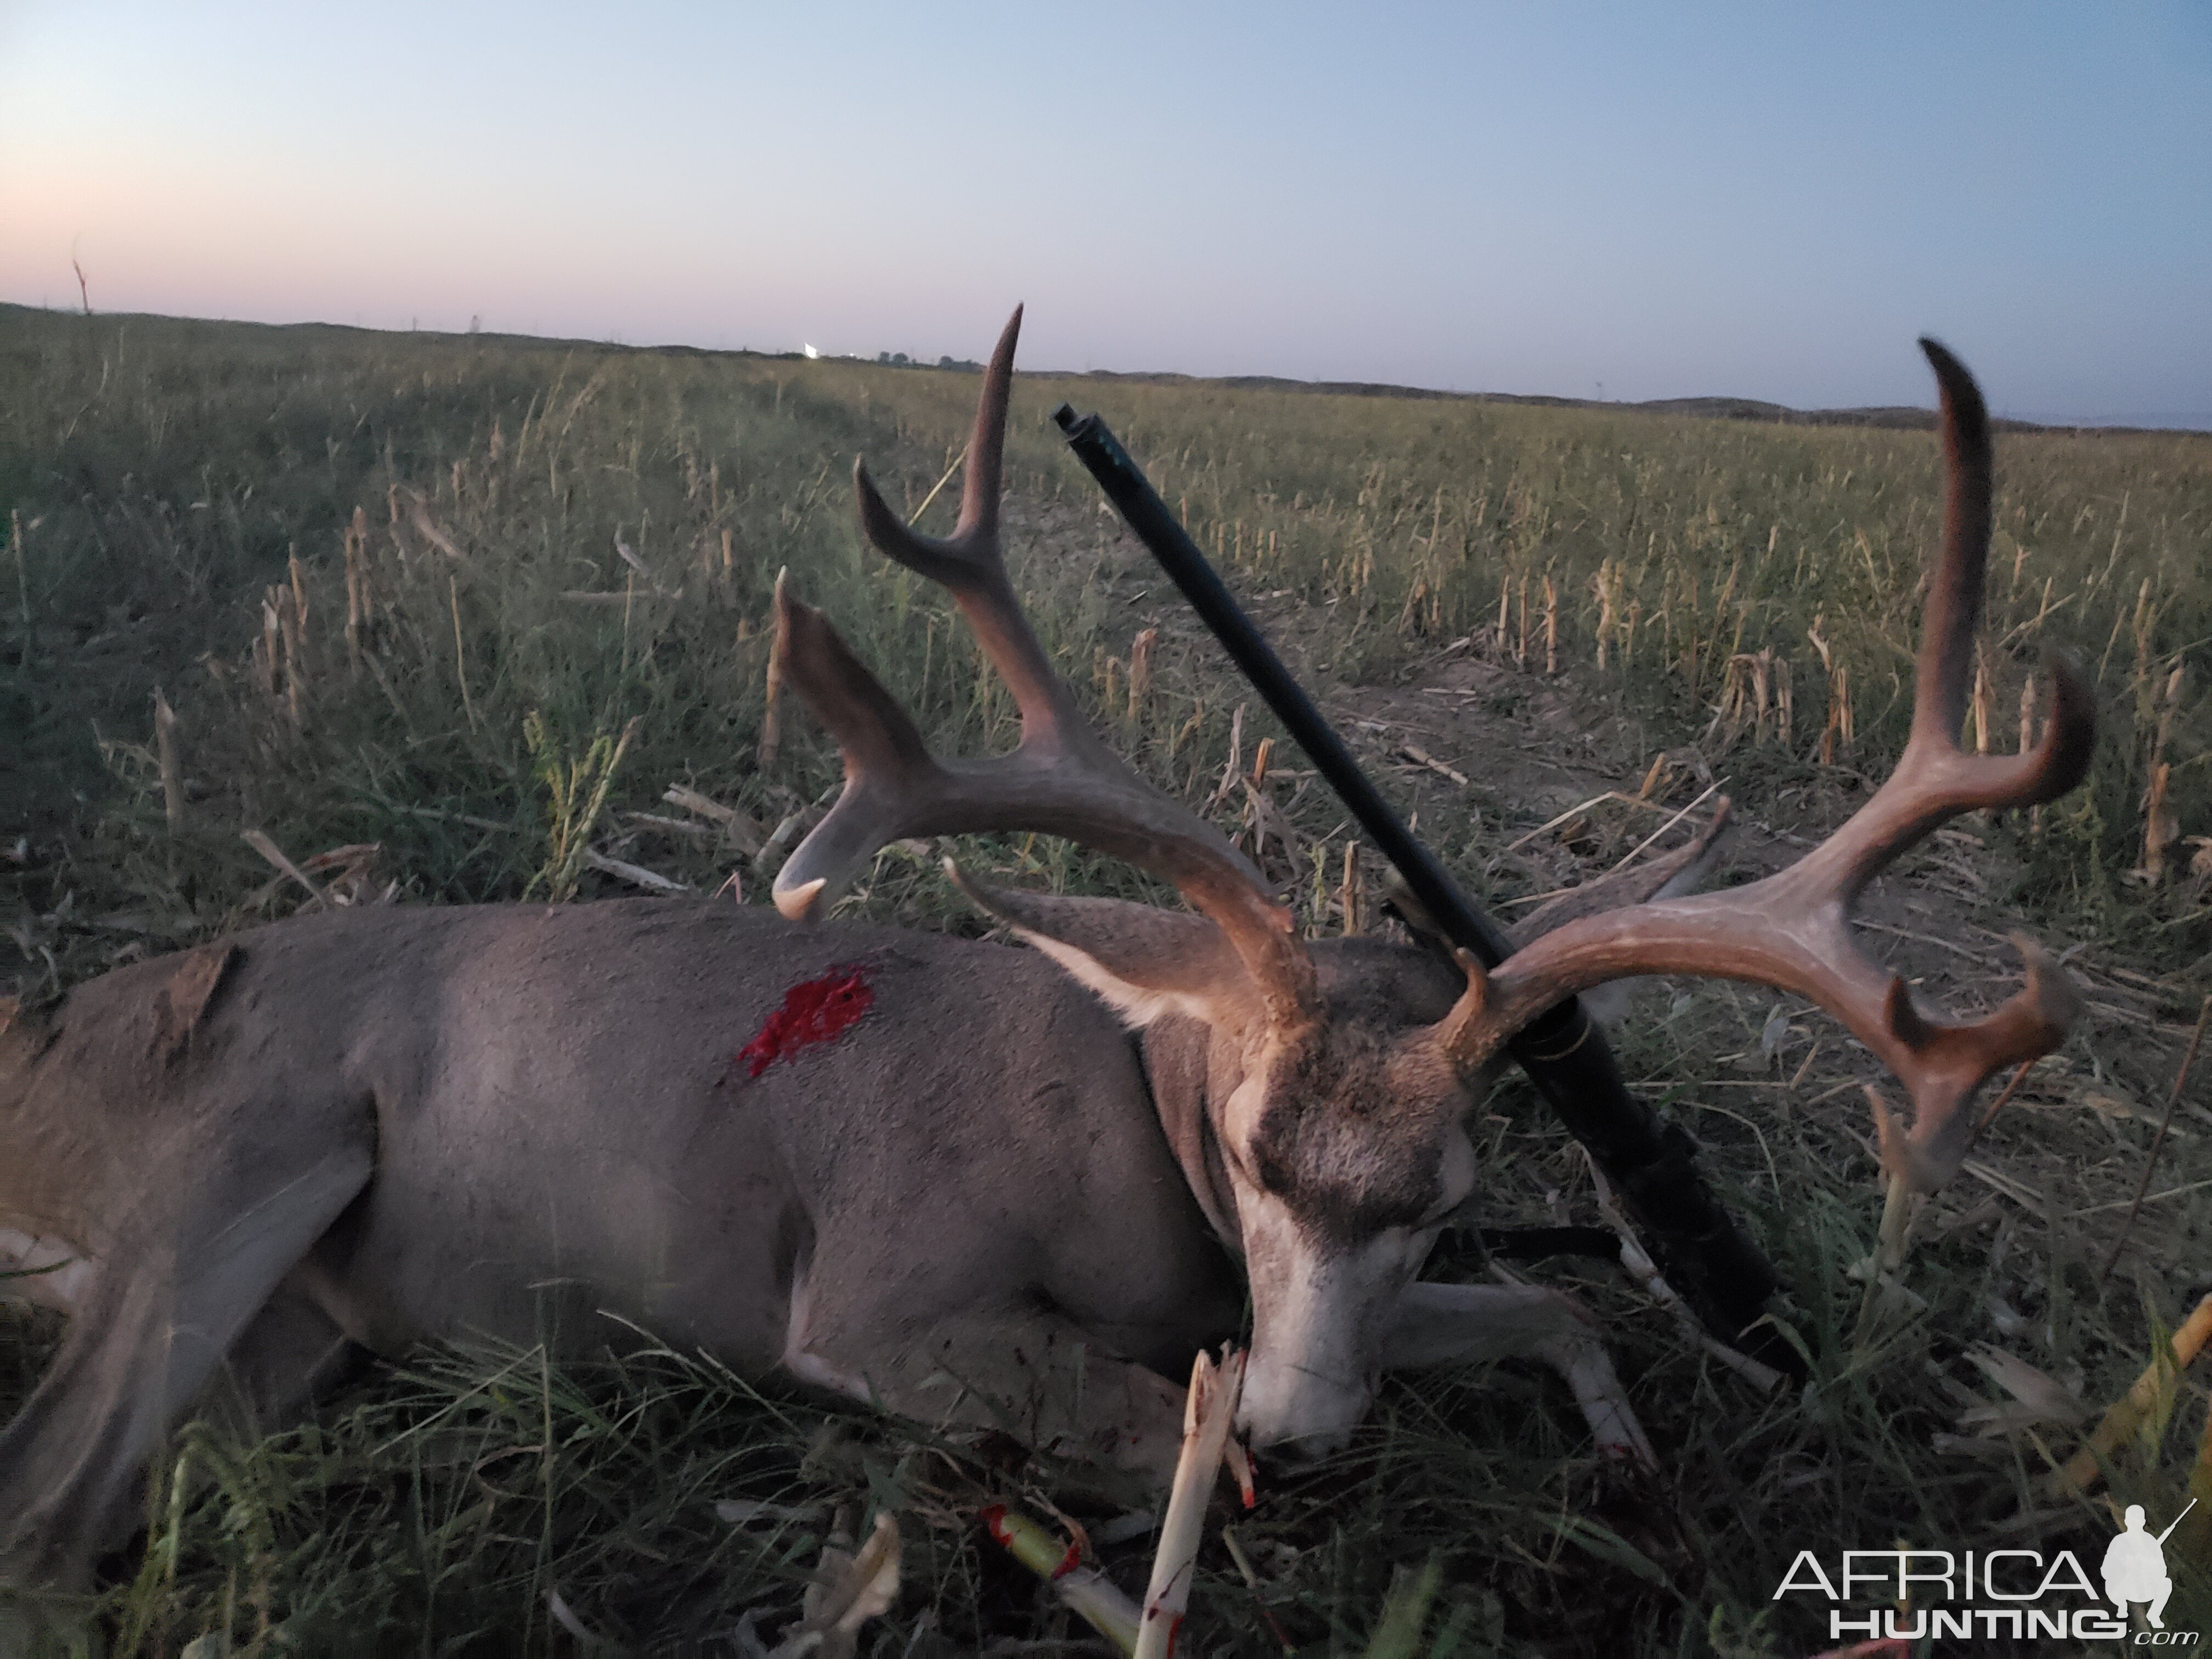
(1069, 1562)
(819, 1011)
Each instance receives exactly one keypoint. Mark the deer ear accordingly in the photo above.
(1145, 962)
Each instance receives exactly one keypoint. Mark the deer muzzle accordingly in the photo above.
(1316, 1357)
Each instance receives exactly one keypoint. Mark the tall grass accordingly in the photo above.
(457, 612)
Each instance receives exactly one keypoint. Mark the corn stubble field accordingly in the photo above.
(445, 619)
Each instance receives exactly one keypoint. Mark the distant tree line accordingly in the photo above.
(900, 359)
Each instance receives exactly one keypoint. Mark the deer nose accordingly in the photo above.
(1298, 1449)
(1299, 1414)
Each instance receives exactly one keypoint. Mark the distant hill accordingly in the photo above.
(1713, 409)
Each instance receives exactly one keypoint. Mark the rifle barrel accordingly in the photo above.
(1563, 1053)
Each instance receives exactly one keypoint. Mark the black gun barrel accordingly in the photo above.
(1565, 1056)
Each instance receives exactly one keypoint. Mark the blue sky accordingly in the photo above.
(1660, 200)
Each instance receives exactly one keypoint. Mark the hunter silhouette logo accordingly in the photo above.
(2022, 1594)
(2135, 1566)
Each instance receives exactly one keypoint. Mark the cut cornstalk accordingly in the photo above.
(771, 729)
(1208, 1410)
(1089, 1594)
(2081, 1471)
(744, 833)
(172, 770)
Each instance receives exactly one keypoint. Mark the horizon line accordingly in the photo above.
(2183, 423)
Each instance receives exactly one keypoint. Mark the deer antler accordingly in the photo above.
(1061, 779)
(1792, 930)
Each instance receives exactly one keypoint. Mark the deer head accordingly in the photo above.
(1339, 1075)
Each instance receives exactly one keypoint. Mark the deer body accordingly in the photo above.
(427, 1124)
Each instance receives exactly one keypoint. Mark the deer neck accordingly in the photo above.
(1192, 1074)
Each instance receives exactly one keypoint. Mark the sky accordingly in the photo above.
(1621, 200)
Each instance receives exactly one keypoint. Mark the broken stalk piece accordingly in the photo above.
(1089, 1594)
(1208, 1411)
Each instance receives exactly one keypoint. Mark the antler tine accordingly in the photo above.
(1935, 779)
(1060, 780)
(1955, 597)
(1792, 930)
(970, 563)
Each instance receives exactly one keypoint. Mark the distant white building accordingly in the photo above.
(810, 352)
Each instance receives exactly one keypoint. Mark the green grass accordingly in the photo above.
(163, 473)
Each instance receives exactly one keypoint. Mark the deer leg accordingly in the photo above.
(1031, 1373)
(142, 1346)
(292, 1352)
(1449, 1324)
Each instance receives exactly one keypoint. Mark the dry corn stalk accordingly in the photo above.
(1350, 892)
(743, 831)
(2027, 706)
(298, 598)
(357, 568)
(1605, 585)
(2161, 825)
(1233, 773)
(1550, 626)
(172, 771)
(460, 655)
(2193, 1538)
(279, 651)
(261, 843)
(2153, 1391)
(427, 528)
(1140, 671)
(2157, 1141)
(1835, 734)
(1208, 1410)
(771, 732)
(2169, 704)
(847, 1591)
(350, 871)
(2146, 622)
(1089, 1594)
(268, 650)
(291, 626)
(1754, 690)
(22, 580)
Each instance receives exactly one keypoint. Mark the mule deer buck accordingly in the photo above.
(941, 1174)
